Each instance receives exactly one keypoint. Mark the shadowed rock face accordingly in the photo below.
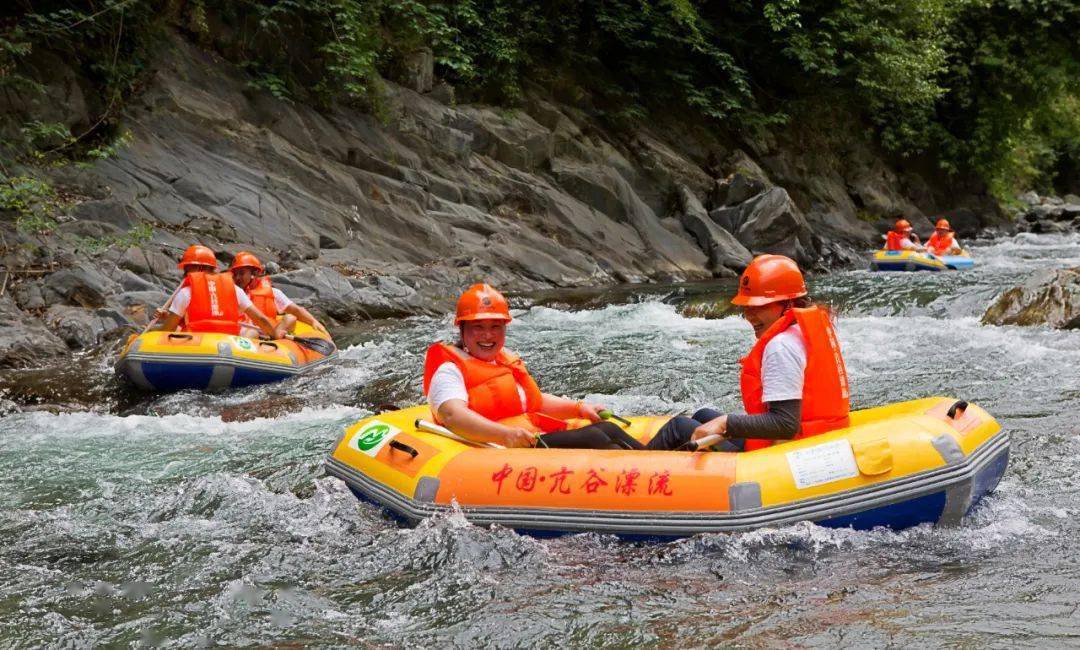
(362, 218)
(1050, 299)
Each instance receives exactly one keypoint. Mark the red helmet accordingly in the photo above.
(481, 302)
(943, 224)
(246, 259)
(902, 225)
(769, 278)
(197, 254)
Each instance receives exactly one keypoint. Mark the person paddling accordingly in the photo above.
(794, 383)
(208, 301)
(943, 241)
(482, 392)
(248, 274)
(900, 237)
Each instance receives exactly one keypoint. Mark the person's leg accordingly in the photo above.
(707, 415)
(593, 436)
(675, 433)
(290, 322)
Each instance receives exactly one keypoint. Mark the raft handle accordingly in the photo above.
(401, 446)
(268, 344)
(185, 337)
(959, 407)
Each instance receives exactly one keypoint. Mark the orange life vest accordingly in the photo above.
(825, 403)
(213, 306)
(893, 239)
(493, 387)
(261, 293)
(939, 244)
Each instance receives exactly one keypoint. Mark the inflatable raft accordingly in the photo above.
(170, 361)
(896, 466)
(916, 261)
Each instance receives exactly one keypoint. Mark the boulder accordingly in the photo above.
(1051, 298)
(736, 188)
(332, 293)
(1072, 199)
(24, 341)
(770, 223)
(964, 221)
(82, 329)
(726, 255)
(81, 285)
(1030, 198)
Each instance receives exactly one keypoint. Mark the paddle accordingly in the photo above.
(704, 443)
(324, 347)
(431, 427)
(165, 306)
(608, 415)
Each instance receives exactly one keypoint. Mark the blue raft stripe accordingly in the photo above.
(911, 512)
(986, 480)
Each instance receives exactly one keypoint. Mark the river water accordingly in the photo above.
(176, 521)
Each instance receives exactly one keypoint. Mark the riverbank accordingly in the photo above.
(364, 217)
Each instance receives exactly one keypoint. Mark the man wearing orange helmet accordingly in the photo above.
(208, 301)
(247, 272)
(900, 237)
(793, 381)
(942, 242)
(482, 392)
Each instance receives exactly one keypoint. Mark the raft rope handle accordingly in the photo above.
(401, 446)
(959, 407)
(180, 335)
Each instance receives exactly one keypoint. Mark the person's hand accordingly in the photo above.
(160, 313)
(519, 437)
(279, 331)
(714, 427)
(322, 328)
(591, 412)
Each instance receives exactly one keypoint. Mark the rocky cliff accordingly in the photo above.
(366, 217)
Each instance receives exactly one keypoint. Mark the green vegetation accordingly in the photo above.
(984, 87)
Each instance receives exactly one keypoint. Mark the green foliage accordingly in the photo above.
(23, 194)
(136, 236)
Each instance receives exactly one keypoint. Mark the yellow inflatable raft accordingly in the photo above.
(916, 261)
(170, 361)
(924, 461)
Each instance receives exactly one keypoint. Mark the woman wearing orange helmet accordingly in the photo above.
(247, 272)
(793, 381)
(482, 392)
(900, 237)
(943, 242)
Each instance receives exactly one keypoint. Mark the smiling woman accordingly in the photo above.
(484, 393)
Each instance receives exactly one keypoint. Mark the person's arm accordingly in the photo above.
(265, 324)
(168, 323)
(781, 422)
(462, 420)
(565, 409)
(304, 316)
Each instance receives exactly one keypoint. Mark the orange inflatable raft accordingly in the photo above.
(899, 465)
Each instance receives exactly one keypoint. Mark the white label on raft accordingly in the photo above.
(825, 463)
(372, 437)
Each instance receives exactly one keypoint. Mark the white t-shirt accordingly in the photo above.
(907, 244)
(281, 302)
(783, 366)
(448, 383)
(180, 303)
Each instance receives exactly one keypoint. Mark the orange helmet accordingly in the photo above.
(197, 254)
(902, 225)
(480, 302)
(943, 224)
(244, 258)
(769, 278)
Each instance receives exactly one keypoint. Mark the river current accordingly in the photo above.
(178, 521)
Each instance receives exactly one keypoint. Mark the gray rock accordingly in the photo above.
(736, 188)
(1052, 200)
(964, 221)
(81, 285)
(419, 74)
(344, 299)
(24, 341)
(1072, 199)
(723, 249)
(150, 262)
(770, 223)
(1030, 198)
(1051, 298)
(82, 329)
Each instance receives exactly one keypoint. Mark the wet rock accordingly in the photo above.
(82, 329)
(726, 255)
(770, 223)
(1052, 299)
(964, 221)
(24, 341)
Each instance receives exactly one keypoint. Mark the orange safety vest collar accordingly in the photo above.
(493, 387)
(939, 244)
(893, 239)
(213, 306)
(825, 398)
(261, 292)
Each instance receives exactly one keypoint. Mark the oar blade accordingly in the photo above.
(324, 347)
